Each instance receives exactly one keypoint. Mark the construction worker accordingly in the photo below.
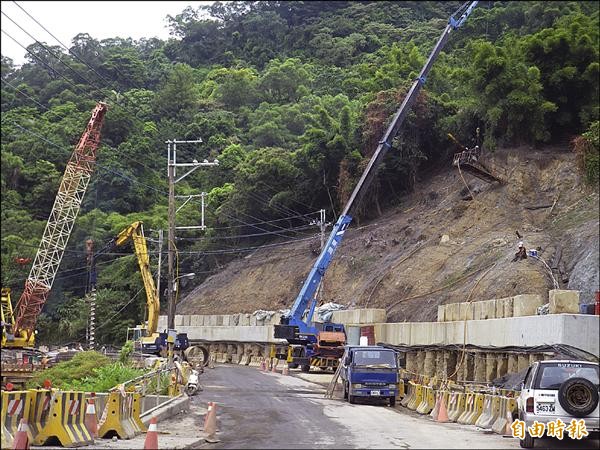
(521, 254)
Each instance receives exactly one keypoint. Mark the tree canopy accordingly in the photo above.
(292, 99)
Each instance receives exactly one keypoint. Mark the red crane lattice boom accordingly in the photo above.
(60, 223)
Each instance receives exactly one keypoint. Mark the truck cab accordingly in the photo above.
(369, 372)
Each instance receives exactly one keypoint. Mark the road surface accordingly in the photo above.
(265, 410)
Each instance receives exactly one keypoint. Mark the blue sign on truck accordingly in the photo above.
(369, 372)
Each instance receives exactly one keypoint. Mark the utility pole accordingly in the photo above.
(91, 294)
(323, 225)
(172, 173)
(160, 243)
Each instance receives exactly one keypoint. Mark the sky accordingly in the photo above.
(100, 19)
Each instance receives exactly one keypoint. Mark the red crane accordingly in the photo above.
(58, 228)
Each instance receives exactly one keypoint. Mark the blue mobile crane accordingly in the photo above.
(323, 344)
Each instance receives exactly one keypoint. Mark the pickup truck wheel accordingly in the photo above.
(578, 397)
(351, 399)
(345, 391)
(527, 442)
(305, 368)
(392, 401)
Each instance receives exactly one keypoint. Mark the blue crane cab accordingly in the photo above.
(369, 372)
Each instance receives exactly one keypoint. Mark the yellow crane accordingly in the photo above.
(9, 339)
(146, 336)
(146, 333)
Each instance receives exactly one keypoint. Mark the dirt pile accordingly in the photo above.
(439, 246)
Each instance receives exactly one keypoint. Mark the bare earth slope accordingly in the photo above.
(401, 261)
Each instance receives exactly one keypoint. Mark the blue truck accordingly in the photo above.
(369, 372)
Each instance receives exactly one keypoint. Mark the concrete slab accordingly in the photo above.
(489, 309)
(196, 320)
(244, 320)
(563, 301)
(231, 334)
(526, 304)
(578, 330)
(466, 311)
(365, 316)
(441, 313)
(478, 311)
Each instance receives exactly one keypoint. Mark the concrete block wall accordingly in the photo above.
(346, 317)
(359, 316)
(561, 302)
(578, 330)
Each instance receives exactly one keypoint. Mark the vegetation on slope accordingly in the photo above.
(291, 97)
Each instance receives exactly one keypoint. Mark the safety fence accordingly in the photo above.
(486, 408)
(55, 416)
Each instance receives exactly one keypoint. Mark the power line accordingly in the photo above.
(97, 164)
(119, 311)
(275, 191)
(208, 238)
(248, 249)
(268, 202)
(51, 52)
(69, 50)
(253, 226)
(131, 112)
(256, 218)
(24, 94)
(52, 70)
(265, 221)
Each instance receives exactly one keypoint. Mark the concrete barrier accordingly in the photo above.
(457, 402)
(495, 406)
(508, 407)
(468, 409)
(167, 409)
(115, 418)
(428, 401)
(417, 399)
(487, 415)
(477, 410)
(409, 395)
(15, 406)
(65, 421)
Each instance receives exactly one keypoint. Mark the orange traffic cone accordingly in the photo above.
(285, 370)
(509, 420)
(443, 412)
(210, 426)
(91, 421)
(263, 365)
(436, 409)
(274, 365)
(151, 442)
(21, 441)
(208, 412)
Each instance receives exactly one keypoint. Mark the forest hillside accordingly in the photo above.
(292, 98)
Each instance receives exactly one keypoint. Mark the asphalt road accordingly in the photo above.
(265, 410)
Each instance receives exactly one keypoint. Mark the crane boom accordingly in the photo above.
(60, 223)
(307, 292)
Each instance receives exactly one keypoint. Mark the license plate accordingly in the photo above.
(544, 408)
(375, 393)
